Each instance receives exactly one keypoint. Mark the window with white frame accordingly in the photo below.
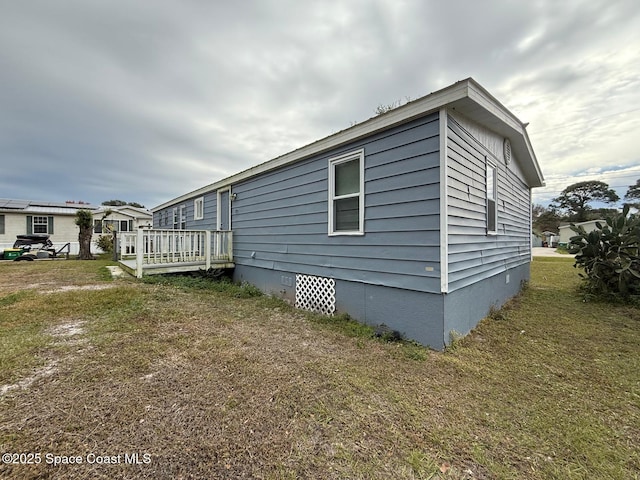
(1, 224)
(492, 204)
(198, 208)
(346, 194)
(175, 218)
(183, 217)
(40, 224)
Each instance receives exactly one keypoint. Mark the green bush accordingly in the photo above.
(609, 256)
(105, 243)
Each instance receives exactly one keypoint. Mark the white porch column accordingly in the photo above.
(207, 249)
(139, 252)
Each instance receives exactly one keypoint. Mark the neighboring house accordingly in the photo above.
(550, 239)
(25, 217)
(566, 233)
(121, 219)
(419, 218)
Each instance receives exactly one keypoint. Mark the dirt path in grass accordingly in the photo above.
(69, 334)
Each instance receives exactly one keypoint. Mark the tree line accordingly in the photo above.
(574, 204)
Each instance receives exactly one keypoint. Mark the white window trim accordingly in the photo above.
(494, 167)
(357, 154)
(175, 218)
(196, 202)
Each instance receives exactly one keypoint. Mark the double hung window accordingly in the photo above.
(346, 194)
(198, 208)
(40, 224)
(492, 204)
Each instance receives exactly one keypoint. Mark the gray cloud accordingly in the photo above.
(147, 100)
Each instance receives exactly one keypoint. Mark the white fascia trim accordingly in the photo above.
(522, 142)
(476, 98)
(411, 110)
(444, 219)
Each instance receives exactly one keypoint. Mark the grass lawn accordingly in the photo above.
(210, 381)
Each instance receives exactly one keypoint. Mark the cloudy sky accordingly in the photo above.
(144, 101)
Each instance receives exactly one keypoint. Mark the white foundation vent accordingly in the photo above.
(316, 294)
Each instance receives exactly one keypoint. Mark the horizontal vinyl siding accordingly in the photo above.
(280, 217)
(472, 254)
(207, 223)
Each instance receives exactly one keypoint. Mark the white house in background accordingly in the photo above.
(566, 233)
(121, 219)
(26, 217)
(549, 239)
(57, 219)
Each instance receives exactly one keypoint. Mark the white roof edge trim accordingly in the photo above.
(467, 88)
(427, 104)
(491, 104)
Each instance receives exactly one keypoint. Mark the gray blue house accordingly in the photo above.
(419, 219)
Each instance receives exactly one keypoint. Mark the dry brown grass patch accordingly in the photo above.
(212, 386)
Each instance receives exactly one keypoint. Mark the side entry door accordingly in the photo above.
(224, 210)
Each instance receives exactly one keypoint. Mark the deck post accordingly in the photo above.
(139, 252)
(230, 245)
(116, 245)
(207, 249)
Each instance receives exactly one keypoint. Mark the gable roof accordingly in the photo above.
(466, 96)
(582, 224)
(127, 210)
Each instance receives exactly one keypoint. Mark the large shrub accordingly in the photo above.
(609, 255)
(105, 243)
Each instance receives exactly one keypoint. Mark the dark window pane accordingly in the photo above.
(347, 214)
(491, 215)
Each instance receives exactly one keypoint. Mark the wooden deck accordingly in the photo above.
(152, 252)
(176, 267)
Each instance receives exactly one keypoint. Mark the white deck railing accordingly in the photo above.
(152, 247)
